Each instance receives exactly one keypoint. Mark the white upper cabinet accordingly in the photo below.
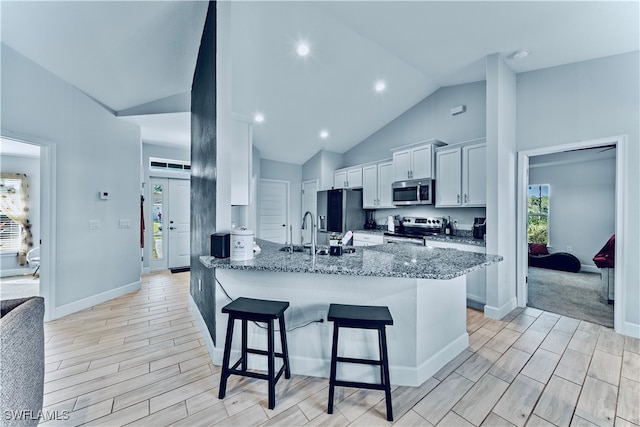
(370, 186)
(385, 179)
(414, 161)
(241, 162)
(461, 178)
(348, 177)
(376, 185)
(448, 177)
(474, 175)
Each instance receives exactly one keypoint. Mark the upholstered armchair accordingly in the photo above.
(21, 361)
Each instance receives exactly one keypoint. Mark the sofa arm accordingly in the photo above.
(21, 361)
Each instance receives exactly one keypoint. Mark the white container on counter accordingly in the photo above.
(241, 245)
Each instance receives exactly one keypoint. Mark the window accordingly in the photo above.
(10, 230)
(538, 214)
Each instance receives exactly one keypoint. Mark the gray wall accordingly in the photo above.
(584, 101)
(321, 167)
(162, 152)
(29, 166)
(203, 165)
(582, 205)
(95, 151)
(430, 118)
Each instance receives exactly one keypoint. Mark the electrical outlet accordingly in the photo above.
(569, 248)
(321, 314)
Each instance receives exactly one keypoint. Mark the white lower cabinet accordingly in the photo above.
(366, 239)
(476, 280)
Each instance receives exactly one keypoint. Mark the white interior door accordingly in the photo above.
(309, 203)
(274, 210)
(179, 223)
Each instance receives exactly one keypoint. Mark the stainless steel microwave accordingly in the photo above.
(414, 192)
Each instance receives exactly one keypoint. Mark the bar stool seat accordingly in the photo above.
(361, 317)
(256, 310)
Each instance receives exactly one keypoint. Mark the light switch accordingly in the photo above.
(125, 223)
(94, 224)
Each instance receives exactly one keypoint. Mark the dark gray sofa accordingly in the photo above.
(21, 360)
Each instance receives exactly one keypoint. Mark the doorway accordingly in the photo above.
(274, 210)
(169, 240)
(525, 160)
(47, 217)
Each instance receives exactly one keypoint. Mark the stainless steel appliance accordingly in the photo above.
(414, 192)
(413, 229)
(338, 212)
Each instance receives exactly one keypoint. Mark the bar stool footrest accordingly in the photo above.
(257, 375)
(359, 361)
(355, 384)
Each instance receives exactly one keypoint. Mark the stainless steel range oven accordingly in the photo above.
(413, 229)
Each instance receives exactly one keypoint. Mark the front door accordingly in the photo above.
(179, 223)
(169, 246)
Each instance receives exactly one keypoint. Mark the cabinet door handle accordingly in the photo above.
(466, 199)
(458, 198)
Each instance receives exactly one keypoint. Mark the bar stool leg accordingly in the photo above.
(332, 376)
(385, 366)
(285, 349)
(271, 365)
(244, 345)
(225, 360)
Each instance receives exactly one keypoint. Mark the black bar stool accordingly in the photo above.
(361, 317)
(256, 310)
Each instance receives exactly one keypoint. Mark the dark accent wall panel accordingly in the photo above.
(203, 170)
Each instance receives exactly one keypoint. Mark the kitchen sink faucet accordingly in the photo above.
(313, 232)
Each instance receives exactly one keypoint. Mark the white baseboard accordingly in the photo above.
(630, 329)
(500, 312)
(204, 331)
(401, 376)
(17, 271)
(584, 268)
(146, 270)
(85, 303)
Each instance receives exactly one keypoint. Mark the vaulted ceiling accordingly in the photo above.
(137, 58)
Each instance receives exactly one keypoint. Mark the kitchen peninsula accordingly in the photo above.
(424, 288)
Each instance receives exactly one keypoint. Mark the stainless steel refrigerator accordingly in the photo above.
(338, 212)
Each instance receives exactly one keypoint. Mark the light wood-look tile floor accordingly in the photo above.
(140, 360)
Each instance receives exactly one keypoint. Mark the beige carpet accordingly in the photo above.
(577, 295)
(19, 287)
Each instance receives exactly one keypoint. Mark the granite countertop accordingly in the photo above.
(405, 261)
(465, 237)
(464, 240)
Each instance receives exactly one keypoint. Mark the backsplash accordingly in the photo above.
(462, 218)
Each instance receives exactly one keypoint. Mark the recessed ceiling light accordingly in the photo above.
(258, 118)
(519, 54)
(302, 49)
(380, 86)
(324, 134)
